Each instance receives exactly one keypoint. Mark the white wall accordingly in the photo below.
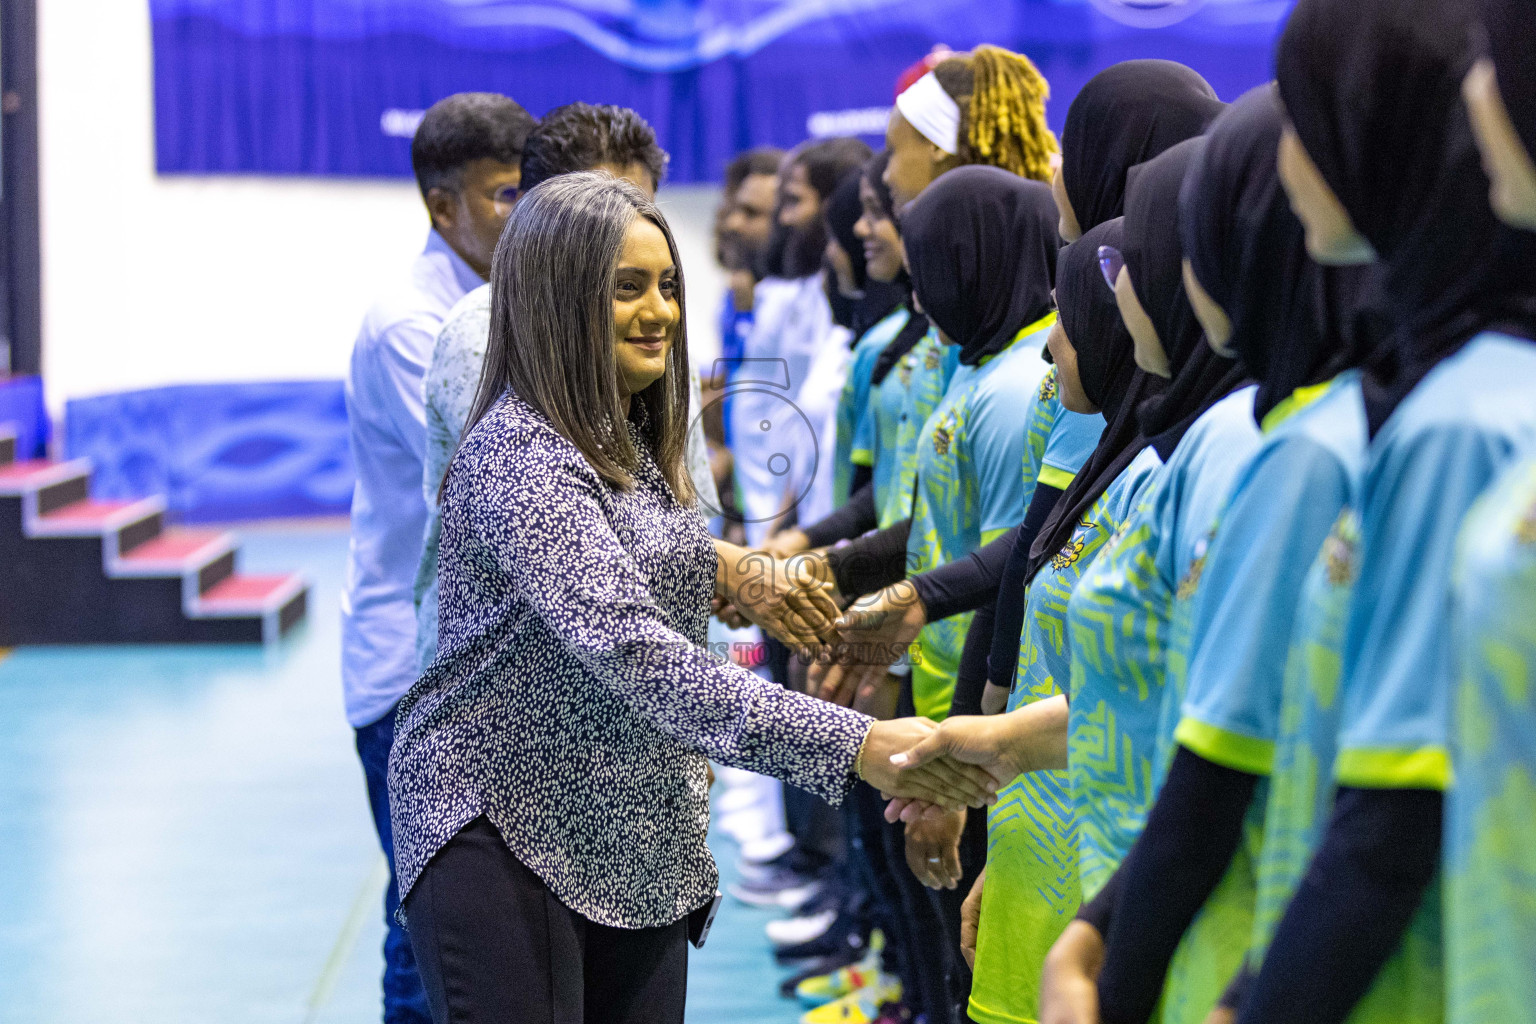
(152, 280)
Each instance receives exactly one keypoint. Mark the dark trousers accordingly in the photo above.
(495, 945)
(947, 903)
(405, 1001)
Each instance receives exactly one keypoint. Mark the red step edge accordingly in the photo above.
(31, 474)
(176, 551)
(91, 518)
(241, 595)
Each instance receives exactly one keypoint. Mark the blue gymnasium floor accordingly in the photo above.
(184, 835)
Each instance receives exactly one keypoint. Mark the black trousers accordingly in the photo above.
(494, 946)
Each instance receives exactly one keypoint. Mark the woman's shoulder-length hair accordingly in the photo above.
(551, 341)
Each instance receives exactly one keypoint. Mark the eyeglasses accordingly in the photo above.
(1111, 262)
(503, 198)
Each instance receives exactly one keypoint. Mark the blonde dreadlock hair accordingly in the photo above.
(1002, 110)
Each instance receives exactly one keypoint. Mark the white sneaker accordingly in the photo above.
(761, 851)
(795, 930)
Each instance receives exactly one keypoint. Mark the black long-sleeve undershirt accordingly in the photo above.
(1191, 835)
(1003, 659)
(971, 680)
(874, 561)
(1379, 855)
(853, 518)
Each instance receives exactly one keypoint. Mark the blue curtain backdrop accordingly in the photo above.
(333, 87)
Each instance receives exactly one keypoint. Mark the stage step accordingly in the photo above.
(83, 570)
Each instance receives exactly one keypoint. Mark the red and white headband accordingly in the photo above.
(933, 112)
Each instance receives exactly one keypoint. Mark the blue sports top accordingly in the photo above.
(1442, 447)
(1283, 505)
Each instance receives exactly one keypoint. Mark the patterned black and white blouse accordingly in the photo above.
(572, 701)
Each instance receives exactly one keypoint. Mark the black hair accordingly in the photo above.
(827, 161)
(463, 128)
(763, 160)
(580, 136)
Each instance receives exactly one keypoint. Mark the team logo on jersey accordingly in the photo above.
(1068, 556)
(1048, 386)
(932, 358)
(1339, 550)
(1191, 581)
(944, 435)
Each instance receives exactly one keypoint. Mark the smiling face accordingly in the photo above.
(1213, 319)
(1150, 354)
(1331, 236)
(1511, 171)
(882, 242)
(646, 310)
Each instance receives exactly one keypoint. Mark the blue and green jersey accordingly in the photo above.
(969, 490)
(1490, 910)
(853, 404)
(1032, 889)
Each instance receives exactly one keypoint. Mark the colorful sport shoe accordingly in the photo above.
(859, 1007)
(824, 988)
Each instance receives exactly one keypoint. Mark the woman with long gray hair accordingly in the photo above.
(549, 779)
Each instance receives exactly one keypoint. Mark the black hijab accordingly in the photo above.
(1373, 88)
(917, 323)
(981, 246)
(1294, 323)
(1106, 366)
(1154, 259)
(878, 299)
(1127, 114)
(1506, 38)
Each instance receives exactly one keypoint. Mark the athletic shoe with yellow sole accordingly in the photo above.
(825, 988)
(860, 1007)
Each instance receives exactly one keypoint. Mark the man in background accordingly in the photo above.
(575, 137)
(467, 156)
(743, 227)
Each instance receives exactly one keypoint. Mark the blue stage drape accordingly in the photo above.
(329, 87)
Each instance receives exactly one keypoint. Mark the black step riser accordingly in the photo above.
(216, 572)
(66, 492)
(134, 534)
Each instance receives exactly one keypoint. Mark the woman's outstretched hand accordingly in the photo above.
(875, 631)
(941, 782)
(793, 601)
(1004, 746)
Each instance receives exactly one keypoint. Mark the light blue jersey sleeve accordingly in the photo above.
(1074, 436)
(1398, 654)
(1281, 510)
(997, 438)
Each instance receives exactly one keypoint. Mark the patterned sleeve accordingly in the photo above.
(535, 510)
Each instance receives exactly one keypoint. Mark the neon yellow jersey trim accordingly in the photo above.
(1424, 768)
(1292, 404)
(1049, 320)
(1226, 748)
(988, 536)
(1060, 479)
(861, 457)
(982, 1015)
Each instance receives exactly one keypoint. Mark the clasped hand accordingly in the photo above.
(939, 782)
(794, 601)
